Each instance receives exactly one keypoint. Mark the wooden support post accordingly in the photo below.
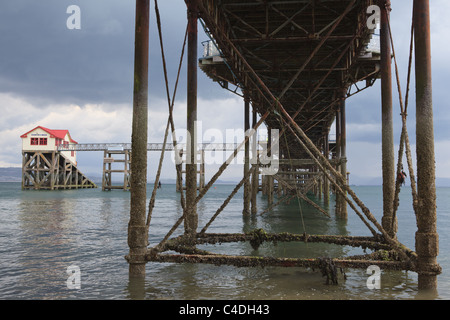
(137, 229)
(24, 172)
(427, 238)
(104, 172)
(247, 186)
(191, 217)
(52, 172)
(387, 124)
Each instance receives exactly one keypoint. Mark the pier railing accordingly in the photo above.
(150, 146)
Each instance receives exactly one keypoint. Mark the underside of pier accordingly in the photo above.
(295, 62)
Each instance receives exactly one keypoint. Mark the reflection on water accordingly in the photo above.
(43, 233)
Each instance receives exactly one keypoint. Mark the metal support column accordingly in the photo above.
(255, 168)
(343, 145)
(137, 230)
(427, 239)
(247, 187)
(326, 183)
(338, 155)
(387, 124)
(269, 178)
(191, 218)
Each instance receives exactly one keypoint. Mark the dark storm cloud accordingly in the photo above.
(42, 60)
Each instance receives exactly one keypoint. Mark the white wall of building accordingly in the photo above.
(51, 145)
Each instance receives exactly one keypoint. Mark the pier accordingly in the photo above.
(44, 167)
(295, 64)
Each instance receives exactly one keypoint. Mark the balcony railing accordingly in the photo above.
(210, 50)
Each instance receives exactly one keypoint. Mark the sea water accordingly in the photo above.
(43, 234)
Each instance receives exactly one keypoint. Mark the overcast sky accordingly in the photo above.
(81, 80)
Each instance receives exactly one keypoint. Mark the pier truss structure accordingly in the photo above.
(119, 156)
(43, 170)
(295, 62)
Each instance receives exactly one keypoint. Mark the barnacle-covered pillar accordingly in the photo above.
(343, 154)
(191, 217)
(326, 183)
(255, 167)
(427, 239)
(137, 229)
(387, 123)
(247, 186)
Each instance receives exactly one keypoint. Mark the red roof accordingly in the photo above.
(60, 134)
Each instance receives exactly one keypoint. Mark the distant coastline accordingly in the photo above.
(10, 174)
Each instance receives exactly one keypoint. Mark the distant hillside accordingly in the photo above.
(11, 174)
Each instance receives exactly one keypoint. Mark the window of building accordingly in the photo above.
(34, 141)
(43, 141)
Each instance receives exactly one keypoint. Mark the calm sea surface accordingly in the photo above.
(42, 233)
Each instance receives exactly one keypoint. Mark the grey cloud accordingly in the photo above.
(44, 61)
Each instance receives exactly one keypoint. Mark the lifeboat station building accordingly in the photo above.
(45, 167)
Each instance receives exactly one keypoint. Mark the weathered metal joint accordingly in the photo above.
(136, 259)
(431, 270)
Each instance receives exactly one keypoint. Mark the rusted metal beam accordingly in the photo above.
(324, 77)
(288, 20)
(316, 49)
(251, 261)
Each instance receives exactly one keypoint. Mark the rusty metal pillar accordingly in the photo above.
(387, 124)
(319, 185)
(338, 155)
(326, 183)
(427, 239)
(137, 229)
(343, 146)
(191, 217)
(255, 167)
(247, 187)
(269, 178)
